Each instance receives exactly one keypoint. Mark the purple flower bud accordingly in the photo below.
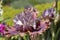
(49, 12)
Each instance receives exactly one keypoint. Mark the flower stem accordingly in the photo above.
(53, 36)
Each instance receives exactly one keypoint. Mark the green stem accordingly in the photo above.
(56, 37)
(53, 36)
(43, 37)
(53, 30)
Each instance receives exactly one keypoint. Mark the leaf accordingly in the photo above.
(57, 34)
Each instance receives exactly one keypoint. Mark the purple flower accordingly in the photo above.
(45, 13)
(49, 12)
(2, 27)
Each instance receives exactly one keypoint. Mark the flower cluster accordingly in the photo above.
(27, 21)
(40, 27)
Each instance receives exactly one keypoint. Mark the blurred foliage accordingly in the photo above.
(22, 3)
(33, 2)
(5, 2)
